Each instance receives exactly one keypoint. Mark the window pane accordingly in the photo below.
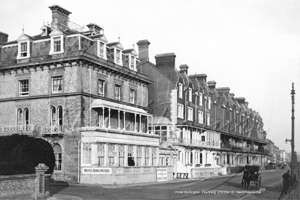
(57, 84)
(87, 153)
(57, 44)
(24, 87)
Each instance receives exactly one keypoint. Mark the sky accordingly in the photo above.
(250, 46)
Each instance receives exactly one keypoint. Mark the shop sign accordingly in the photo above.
(96, 170)
(162, 174)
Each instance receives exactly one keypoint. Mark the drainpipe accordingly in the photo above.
(78, 174)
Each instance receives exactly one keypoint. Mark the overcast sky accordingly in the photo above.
(251, 46)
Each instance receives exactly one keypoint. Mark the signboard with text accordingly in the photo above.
(162, 174)
(96, 170)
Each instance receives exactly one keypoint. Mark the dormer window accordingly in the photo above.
(180, 90)
(132, 62)
(101, 49)
(23, 47)
(57, 42)
(200, 99)
(118, 56)
(24, 50)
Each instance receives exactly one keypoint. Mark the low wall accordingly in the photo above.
(17, 184)
(35, 185)
(122, 175)
(205, 172)
(234, 170)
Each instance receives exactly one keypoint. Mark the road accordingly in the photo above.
(213, 188)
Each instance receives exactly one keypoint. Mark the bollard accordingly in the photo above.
(40, 187)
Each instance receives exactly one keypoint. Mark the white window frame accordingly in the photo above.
(200, 116)
(190, 113)
(103, 55)
(180, 110)
(52, 40)
(119, 62)
(190, 95)
(20, 52)
(208, 119)
(209, 103)
(21, 93)
(132, 60)
(118, 97)
(200, 99)
(52, 82)
(86, 161)
(180, 90)
(132, 95)
(23, 39)
(103, 88)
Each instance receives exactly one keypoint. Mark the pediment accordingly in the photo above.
(23, 37)
(56, 32)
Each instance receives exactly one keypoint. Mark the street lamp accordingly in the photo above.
(293, 130)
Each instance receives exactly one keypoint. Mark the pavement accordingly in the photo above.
(69, 197)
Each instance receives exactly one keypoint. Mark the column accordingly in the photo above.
(135, 122)
(140, 128)
(103, 118)
(124, 114)
(152, 126)
(147, 125)
(119, 120)
(194, 157)
(109, 118)
(225, 156)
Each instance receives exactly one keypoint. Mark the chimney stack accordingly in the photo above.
(143, 50)
(60, 17)
(184, 68)
(166, 64)
(3, 38)
(212, 84)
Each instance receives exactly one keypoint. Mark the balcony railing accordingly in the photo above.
(53, 130)
(191, 142)
(18, 129)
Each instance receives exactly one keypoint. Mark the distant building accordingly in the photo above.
(208, 126)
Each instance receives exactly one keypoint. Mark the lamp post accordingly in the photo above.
(293, 129)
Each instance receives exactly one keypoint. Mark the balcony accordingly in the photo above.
(226, 146)
(28, 129)
(195, 143)
(53, 131)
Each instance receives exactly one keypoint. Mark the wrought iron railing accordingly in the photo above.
(29, 128)
(51, 130)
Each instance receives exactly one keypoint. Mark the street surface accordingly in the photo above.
(228, 187)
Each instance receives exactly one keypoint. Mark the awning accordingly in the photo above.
(99, 103)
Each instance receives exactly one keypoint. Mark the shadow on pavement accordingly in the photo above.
(57, 186)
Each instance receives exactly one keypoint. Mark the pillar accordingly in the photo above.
(109, 118)
(119, 123)
(124, 114)
(103, 119)
(40, 187)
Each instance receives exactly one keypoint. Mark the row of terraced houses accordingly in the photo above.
(112, 116)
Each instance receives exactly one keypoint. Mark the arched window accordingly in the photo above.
(20, 116)
(26, 116)
(53, 116)
(58, 156)
(60, 115)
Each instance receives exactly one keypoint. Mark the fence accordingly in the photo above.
(36, 185)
